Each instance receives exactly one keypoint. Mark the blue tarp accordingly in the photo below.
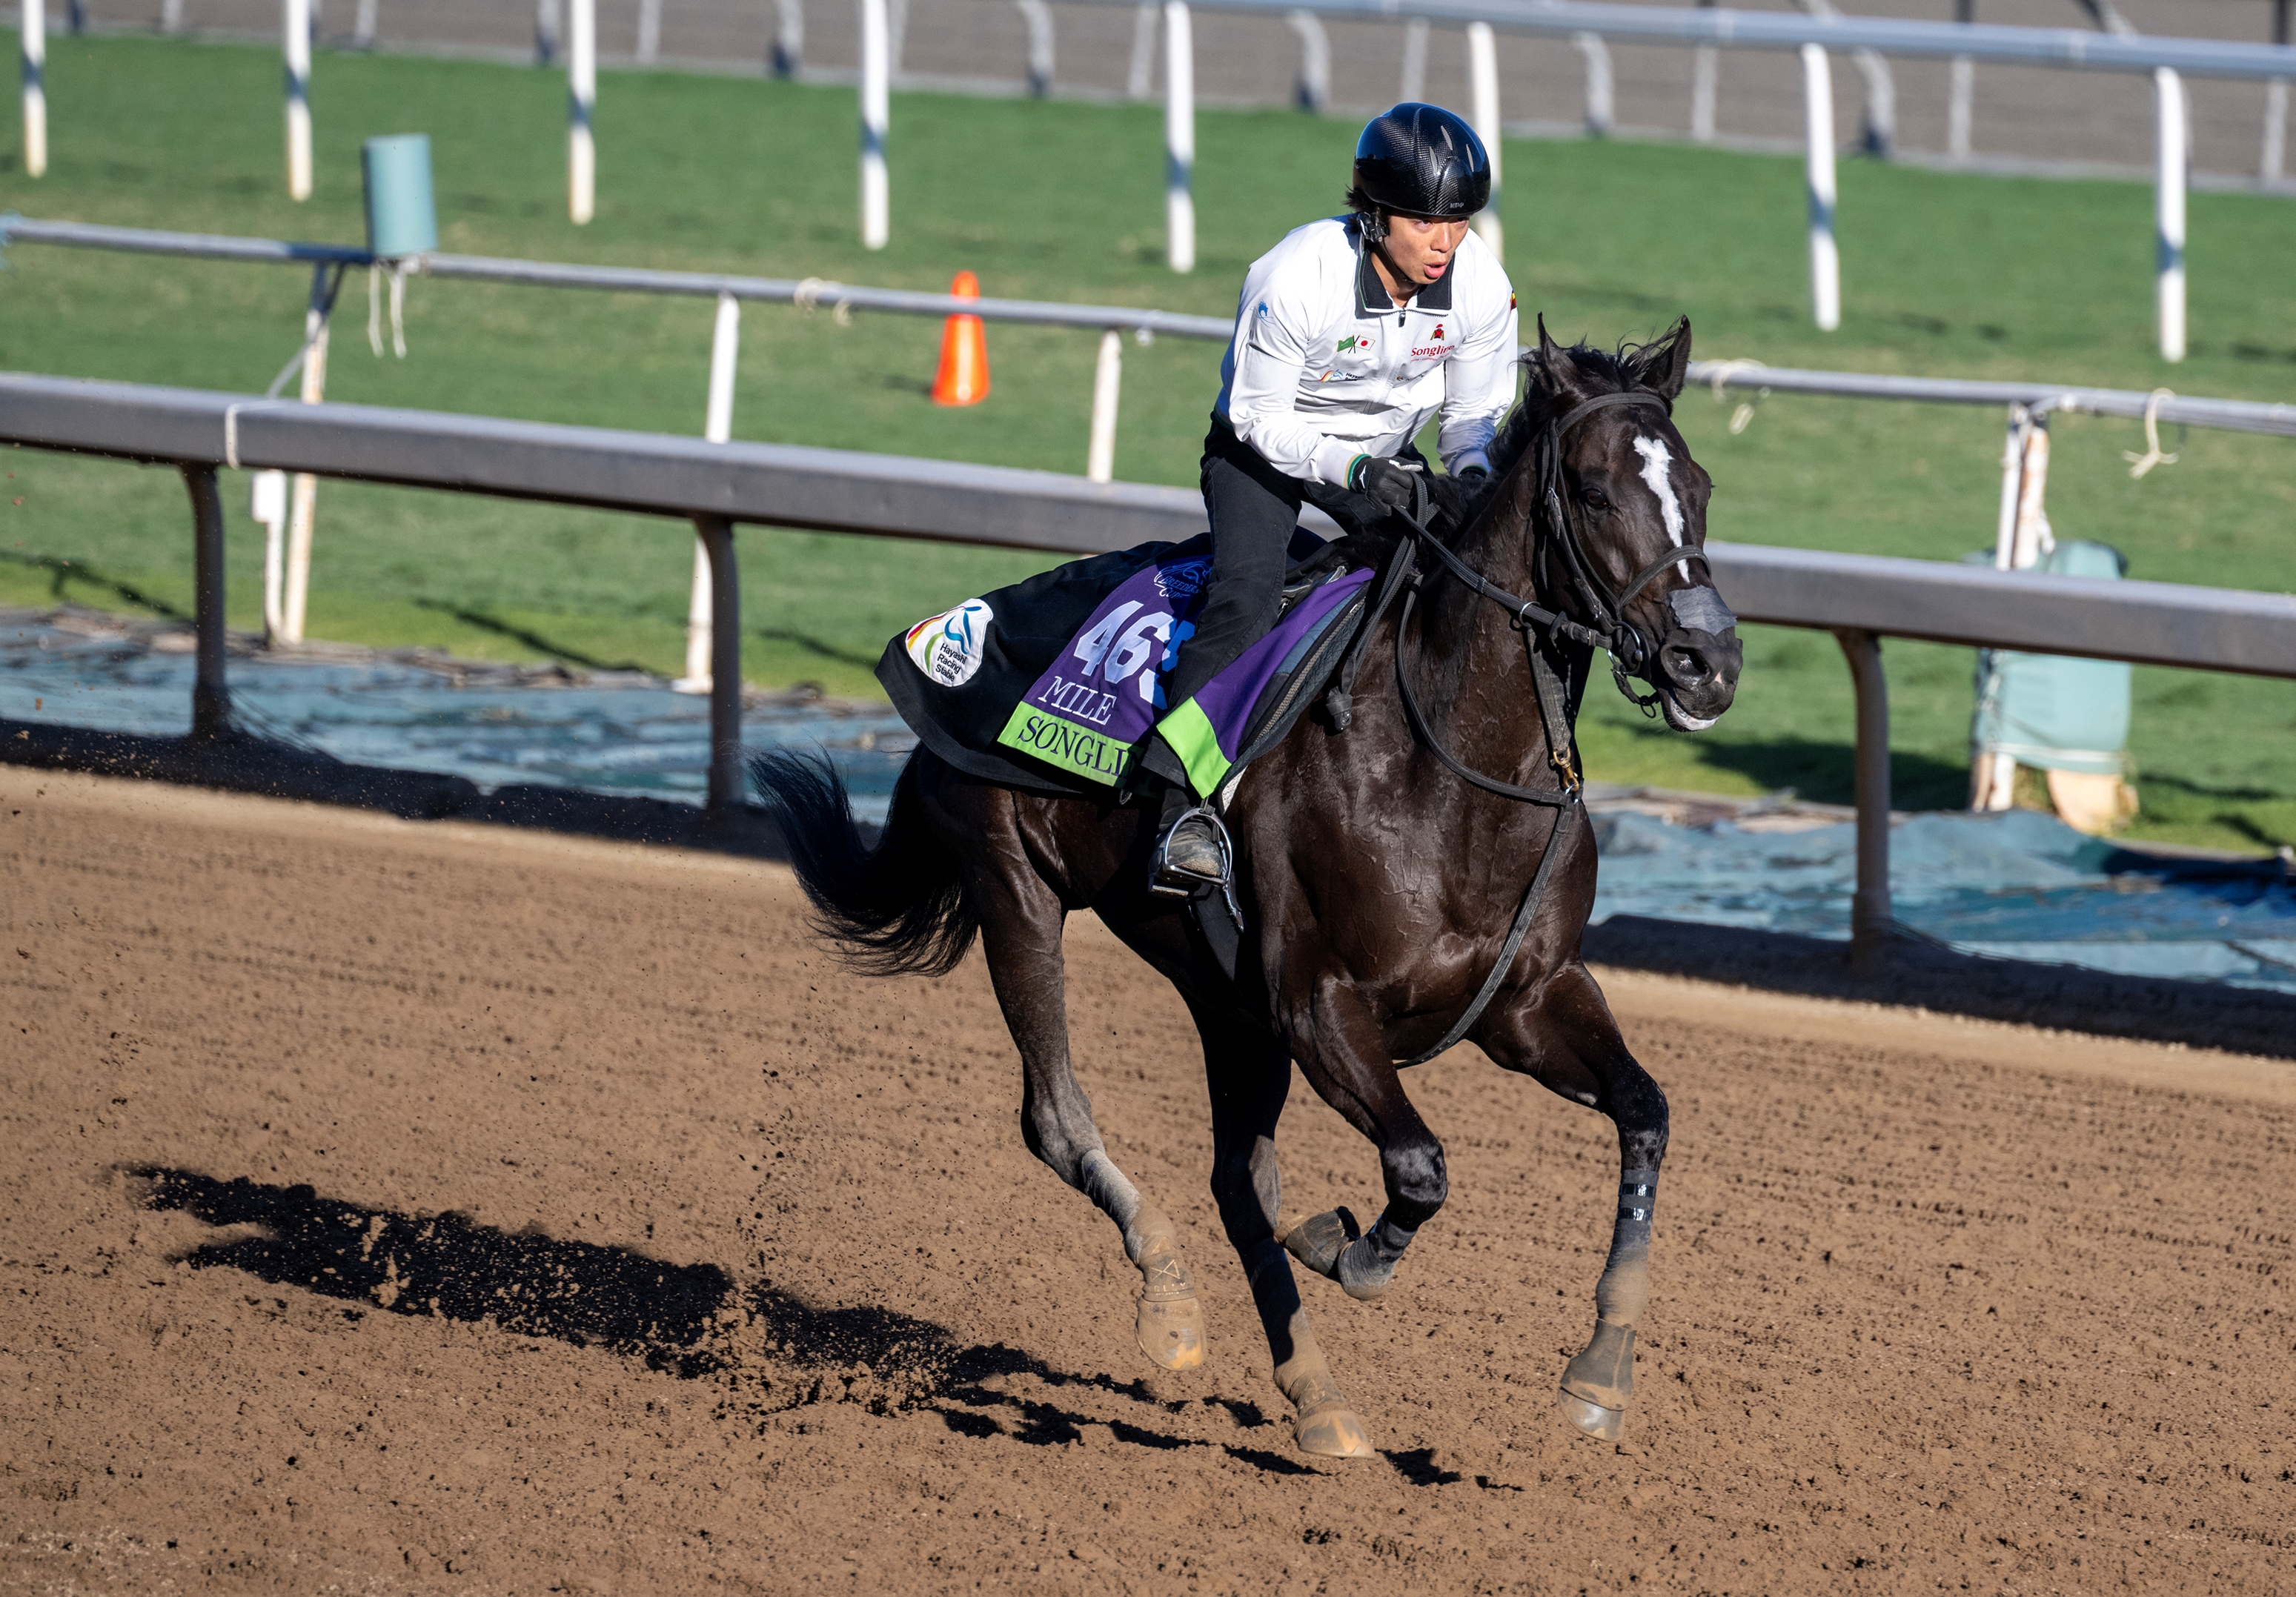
(2017, 884)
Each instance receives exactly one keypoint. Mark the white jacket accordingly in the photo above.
(1325, 366)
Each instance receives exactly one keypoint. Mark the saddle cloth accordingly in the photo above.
(1048, 685)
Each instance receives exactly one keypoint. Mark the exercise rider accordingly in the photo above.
(1349, 334)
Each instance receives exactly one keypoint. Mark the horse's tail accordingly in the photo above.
(897, 908)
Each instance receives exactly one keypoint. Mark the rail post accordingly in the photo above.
(1483, 114)
(171, 16)
(2171, 154)
(1107, 380)
(1179, 136)
(649, 31)
(304, 501)
(717, 427)
(1038, 16)
(1599, 94)
(581, 99)
(1705, 71)
(363, 26)
(295, 47)
(1139, 79)
(1312, 92)
(210, 698)
(2272, 166)
(1871, 919)
(786, 57)
(1817, 124)
(1964, 83)
(1414, 60)
(726, 790)
(876, 107)
(545, 33)
(34, 26)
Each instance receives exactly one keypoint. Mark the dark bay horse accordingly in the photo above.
(1381, 869)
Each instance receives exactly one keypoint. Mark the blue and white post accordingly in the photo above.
(1179, 136)
(876, 112)
(1483, 115)
(1817, 120)
(295, 47)
(581, 101)
(2172, 152)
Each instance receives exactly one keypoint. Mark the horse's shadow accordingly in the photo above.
(687, 1320)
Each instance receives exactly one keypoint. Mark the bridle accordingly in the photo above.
(1630, 651)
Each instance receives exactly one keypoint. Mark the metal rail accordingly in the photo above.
(2236, 415)
(1790, 30)
(807, 291)
(1858, 598)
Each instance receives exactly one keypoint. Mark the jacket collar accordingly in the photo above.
(1371, 298)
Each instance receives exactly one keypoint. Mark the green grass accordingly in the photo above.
(1943, 273)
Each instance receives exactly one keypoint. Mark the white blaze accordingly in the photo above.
(1658, 465)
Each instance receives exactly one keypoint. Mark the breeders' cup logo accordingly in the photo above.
(1182, 578)
(950, 647)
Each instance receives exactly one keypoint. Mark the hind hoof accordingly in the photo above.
(1604, 1424)
(1318, 1240)
(1333, 1431)
(1172, 1332)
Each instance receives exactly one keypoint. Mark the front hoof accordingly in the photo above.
(1604, 1424)
(1318, 1241)
(1171, 1331)
(1332, 1430)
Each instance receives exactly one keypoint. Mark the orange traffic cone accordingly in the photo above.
(963, 378)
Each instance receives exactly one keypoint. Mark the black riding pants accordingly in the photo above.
(1254, 509)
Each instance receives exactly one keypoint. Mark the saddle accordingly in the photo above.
(1048, 685)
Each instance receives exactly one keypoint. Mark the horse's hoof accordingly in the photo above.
(1171, 1331)
(1604, 1424)
(1333, 1429)
(1318, 1241)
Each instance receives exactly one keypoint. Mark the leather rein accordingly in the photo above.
(1629, 651)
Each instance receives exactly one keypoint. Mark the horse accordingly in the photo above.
(1379, 866)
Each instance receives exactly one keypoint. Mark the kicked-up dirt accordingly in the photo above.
(390, 1207)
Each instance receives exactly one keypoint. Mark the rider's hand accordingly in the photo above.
(1387, 480)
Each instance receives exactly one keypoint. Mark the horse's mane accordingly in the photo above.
(1595, 371)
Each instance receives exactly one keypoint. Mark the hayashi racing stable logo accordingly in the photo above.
(950, 647)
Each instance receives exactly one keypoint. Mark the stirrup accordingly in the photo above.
(1168, 881)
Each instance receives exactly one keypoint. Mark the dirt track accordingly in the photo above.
(598, 1233)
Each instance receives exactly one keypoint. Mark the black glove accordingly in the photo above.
(1389, 481)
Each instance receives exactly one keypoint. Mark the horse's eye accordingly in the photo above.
(1596, 499)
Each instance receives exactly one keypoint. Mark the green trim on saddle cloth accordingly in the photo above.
(1067, 747)
(1189, 733)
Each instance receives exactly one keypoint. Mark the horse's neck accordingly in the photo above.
(1468, 663)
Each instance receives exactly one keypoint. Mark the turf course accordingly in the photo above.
(1945, 274)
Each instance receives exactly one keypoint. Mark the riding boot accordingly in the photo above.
(1193, 855)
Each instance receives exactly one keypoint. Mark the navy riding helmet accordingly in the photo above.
(1422, 161)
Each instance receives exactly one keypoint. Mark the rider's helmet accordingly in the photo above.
(1420, 160)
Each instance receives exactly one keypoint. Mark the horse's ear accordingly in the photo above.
(1664, 364)
(1547, 358)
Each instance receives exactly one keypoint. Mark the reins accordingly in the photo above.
(1629, 650)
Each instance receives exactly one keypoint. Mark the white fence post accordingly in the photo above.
(1038, 16)
(295, 47)
(1818, 123)
(267, 503)
(304, 509)
(581, 99)
(649, 31)
(1107, 380)
(1705, 69)
(787, 58)
(897, 37)
(1483, 115)
(876, 108)
(717, 427)
(363, 26)
(1140, 81)
(1179, 136)
(1880, 137)
(1313, 91)
(171, 16)
(34, 23)
(1964, 80)
(2272, 168)
(1599, 94)
(2169, 210)
(1414, 60)
(545, 33)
